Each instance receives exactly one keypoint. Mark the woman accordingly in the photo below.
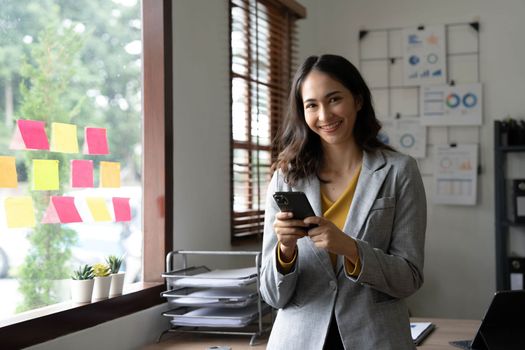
(341, 284)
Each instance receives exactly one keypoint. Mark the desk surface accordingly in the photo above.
(446, 330)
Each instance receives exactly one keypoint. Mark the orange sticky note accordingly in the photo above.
(45, 175)
(81, 173)
(8, 178)
(30, 134)
(64, 138)
(109, 174)
(99, 210)
(61, 209)
(121, 208)
(95, 141)
(19, 212)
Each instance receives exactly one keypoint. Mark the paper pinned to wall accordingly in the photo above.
(64, 138)
(121, 208)
(61, 209)
(424, 55)
(45, 175)
(110, 174)
(451, 105)
(8, 177)
(30, 134)
(455, 179)
(98, 209)
(95, 141)
(406, 135)
(81, 173)
(19, 212)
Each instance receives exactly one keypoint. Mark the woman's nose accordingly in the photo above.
(324, 113)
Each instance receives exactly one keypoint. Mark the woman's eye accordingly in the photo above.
(308, 106)
(334, 99)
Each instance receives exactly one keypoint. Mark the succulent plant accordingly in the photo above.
(114, 263)
(101, 270)
(83, 273)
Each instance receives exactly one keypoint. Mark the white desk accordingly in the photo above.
(445, 331)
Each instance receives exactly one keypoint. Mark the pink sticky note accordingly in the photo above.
(61, 210)
(96, 141)
(30, 134)
(81, 173)
(122, 209)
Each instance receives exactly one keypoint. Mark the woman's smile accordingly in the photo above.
(329, 128)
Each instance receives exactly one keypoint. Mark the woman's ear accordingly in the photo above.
(359, 102)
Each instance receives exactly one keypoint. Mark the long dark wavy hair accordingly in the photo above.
(300, 151)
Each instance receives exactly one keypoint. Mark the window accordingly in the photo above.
(124, 77)
(262, 60)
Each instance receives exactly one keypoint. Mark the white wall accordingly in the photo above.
(460, 252)
(129, 332)
(201, 101)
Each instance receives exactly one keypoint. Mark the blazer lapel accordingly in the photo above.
(373, 174)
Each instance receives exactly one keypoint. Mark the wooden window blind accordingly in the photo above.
(263, 51)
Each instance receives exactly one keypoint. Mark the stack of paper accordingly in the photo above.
(217, 317)
(220, 278)
(227, 297)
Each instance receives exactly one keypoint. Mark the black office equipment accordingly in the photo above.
(505, 218)
(503, 326)
(519, 200)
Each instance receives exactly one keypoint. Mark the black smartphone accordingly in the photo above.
(295, 202)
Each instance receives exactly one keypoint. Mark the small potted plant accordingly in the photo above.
(82, 284)
(102, 282)
(117, 278)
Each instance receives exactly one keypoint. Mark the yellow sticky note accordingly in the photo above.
(64, 138)
(8, 177)
(19, 212)
(109, 174)
(45, 174)
(99, 210)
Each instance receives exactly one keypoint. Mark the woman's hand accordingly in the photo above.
(288, 231)
(327, 236)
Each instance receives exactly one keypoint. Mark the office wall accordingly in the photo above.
(201, 125)
(460, 253)
(129, 332)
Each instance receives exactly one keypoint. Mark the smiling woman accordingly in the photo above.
(101, 61)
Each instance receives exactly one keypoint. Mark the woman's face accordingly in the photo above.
(330, 109)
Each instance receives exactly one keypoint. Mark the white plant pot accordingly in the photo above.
(81, 290)
(101, 288)
(117, 284)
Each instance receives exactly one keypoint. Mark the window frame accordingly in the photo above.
(157, 198)
(248, 224)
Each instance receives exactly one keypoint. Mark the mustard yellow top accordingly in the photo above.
(336, 212)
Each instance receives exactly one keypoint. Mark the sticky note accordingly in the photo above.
(109, 174)
(8, 178)
(81, 173)
(99, 210)
(64, 138)
(30, 134)
(61, 209)
(121, 208)
(45, 175)
(95, 141)
(19, 212)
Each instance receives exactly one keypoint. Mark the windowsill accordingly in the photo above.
(43, 324)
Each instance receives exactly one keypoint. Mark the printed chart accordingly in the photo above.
(455, 179)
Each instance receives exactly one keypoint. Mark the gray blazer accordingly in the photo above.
(388, 220)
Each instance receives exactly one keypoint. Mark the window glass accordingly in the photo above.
(70, 75)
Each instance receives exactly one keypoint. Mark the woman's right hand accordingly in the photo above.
(288, 232)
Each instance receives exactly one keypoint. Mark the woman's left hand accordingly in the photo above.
(326, 235)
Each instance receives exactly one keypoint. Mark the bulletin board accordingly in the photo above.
(382, 55)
